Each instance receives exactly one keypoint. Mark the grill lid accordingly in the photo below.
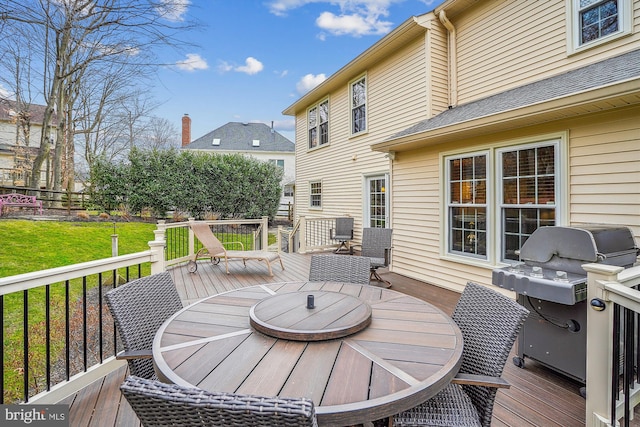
(563, 242)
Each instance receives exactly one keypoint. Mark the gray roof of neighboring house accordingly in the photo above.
(9, 108)
(236, 136)
(609, 71)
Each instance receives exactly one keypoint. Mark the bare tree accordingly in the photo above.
(77, 38)
(161, 135)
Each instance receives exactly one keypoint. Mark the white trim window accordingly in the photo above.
(376, 204)
(358, 92)
(527, 183)
(597, 21)
(318, 124)
(315, 194)
(467, 204)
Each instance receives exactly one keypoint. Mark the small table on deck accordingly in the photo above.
(362, 353)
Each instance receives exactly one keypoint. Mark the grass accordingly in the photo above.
(29, 246)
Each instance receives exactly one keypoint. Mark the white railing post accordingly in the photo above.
(265, 233)
(599, 345)
(192, 239)
(303, 234)
(279, 239)
(157, 247)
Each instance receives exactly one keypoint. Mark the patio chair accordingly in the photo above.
(214, 249)
(376, 245)
(340, 268)
(159, 404)
(139, 308)
(489, 322)
(343, 233)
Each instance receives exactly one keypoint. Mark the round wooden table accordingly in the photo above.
(360, 352)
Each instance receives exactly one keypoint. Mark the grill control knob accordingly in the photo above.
(561, 276)
(536, 271)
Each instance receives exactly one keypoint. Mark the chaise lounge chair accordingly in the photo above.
(214, 249)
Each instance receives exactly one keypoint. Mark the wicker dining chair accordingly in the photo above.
(489, 322)
(340, 268)
(343, 233)
(139, 308)
(159, 404)
(376, 245)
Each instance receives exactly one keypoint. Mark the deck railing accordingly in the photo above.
(55, 328)
(309, 234)
(613, 354)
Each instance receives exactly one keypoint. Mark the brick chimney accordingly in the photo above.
(186, 130)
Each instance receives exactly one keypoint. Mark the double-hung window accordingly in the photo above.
(491, 228)
(318, 124)
(596, 21)
(315, 194)
(358, 106)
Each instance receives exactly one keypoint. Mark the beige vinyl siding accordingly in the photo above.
(396, 99)
(504, 44)
(605, 171)
(439, 79)
(604, 188)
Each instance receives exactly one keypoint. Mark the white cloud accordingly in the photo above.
(4, 93)
(355, 17)
(308, 82)
(252, 66)
(193, 62)
(354, 24)
(173, 10)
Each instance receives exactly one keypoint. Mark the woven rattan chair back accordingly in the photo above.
(489, 322)
(139, 308)
(160, 404)
(340, 268)
(376, 242)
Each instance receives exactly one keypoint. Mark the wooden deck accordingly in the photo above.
(537, 397)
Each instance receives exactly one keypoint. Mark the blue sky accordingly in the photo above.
(256, 57)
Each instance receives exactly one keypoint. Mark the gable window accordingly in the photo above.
(277, 162)
(315, 194)
(526, 179)
(318, 124)
(359, 106)
(596, 21)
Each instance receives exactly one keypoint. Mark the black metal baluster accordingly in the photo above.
(84, 322)
(2, 352)
(25, 321)
(67, 331)
(615, 368)
(115, 277)
(628, 364)
(47, 309)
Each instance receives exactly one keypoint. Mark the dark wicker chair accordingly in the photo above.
(376, 245)
(139, 308)
(160, 404)
(489, 323)
(343, 233)
(340, 268)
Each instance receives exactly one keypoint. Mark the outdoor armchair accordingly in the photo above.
(489, 322)
(159, 404)
(139, 308)
(340, 268)
(376, 245)
(343, 233)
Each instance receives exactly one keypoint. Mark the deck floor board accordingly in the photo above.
(538, 396)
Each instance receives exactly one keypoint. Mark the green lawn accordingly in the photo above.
(37, 245)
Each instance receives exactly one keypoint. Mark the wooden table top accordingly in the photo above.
(399, 356)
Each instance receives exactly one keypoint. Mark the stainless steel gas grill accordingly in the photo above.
(549, 281)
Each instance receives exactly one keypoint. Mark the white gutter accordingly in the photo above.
(453, 62)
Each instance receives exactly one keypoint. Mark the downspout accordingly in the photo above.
(453, 62)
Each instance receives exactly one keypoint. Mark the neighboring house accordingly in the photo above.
(496, 117)
(253, 139)
(16, 152)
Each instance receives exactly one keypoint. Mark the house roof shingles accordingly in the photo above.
(236, 136)
(590, 77)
